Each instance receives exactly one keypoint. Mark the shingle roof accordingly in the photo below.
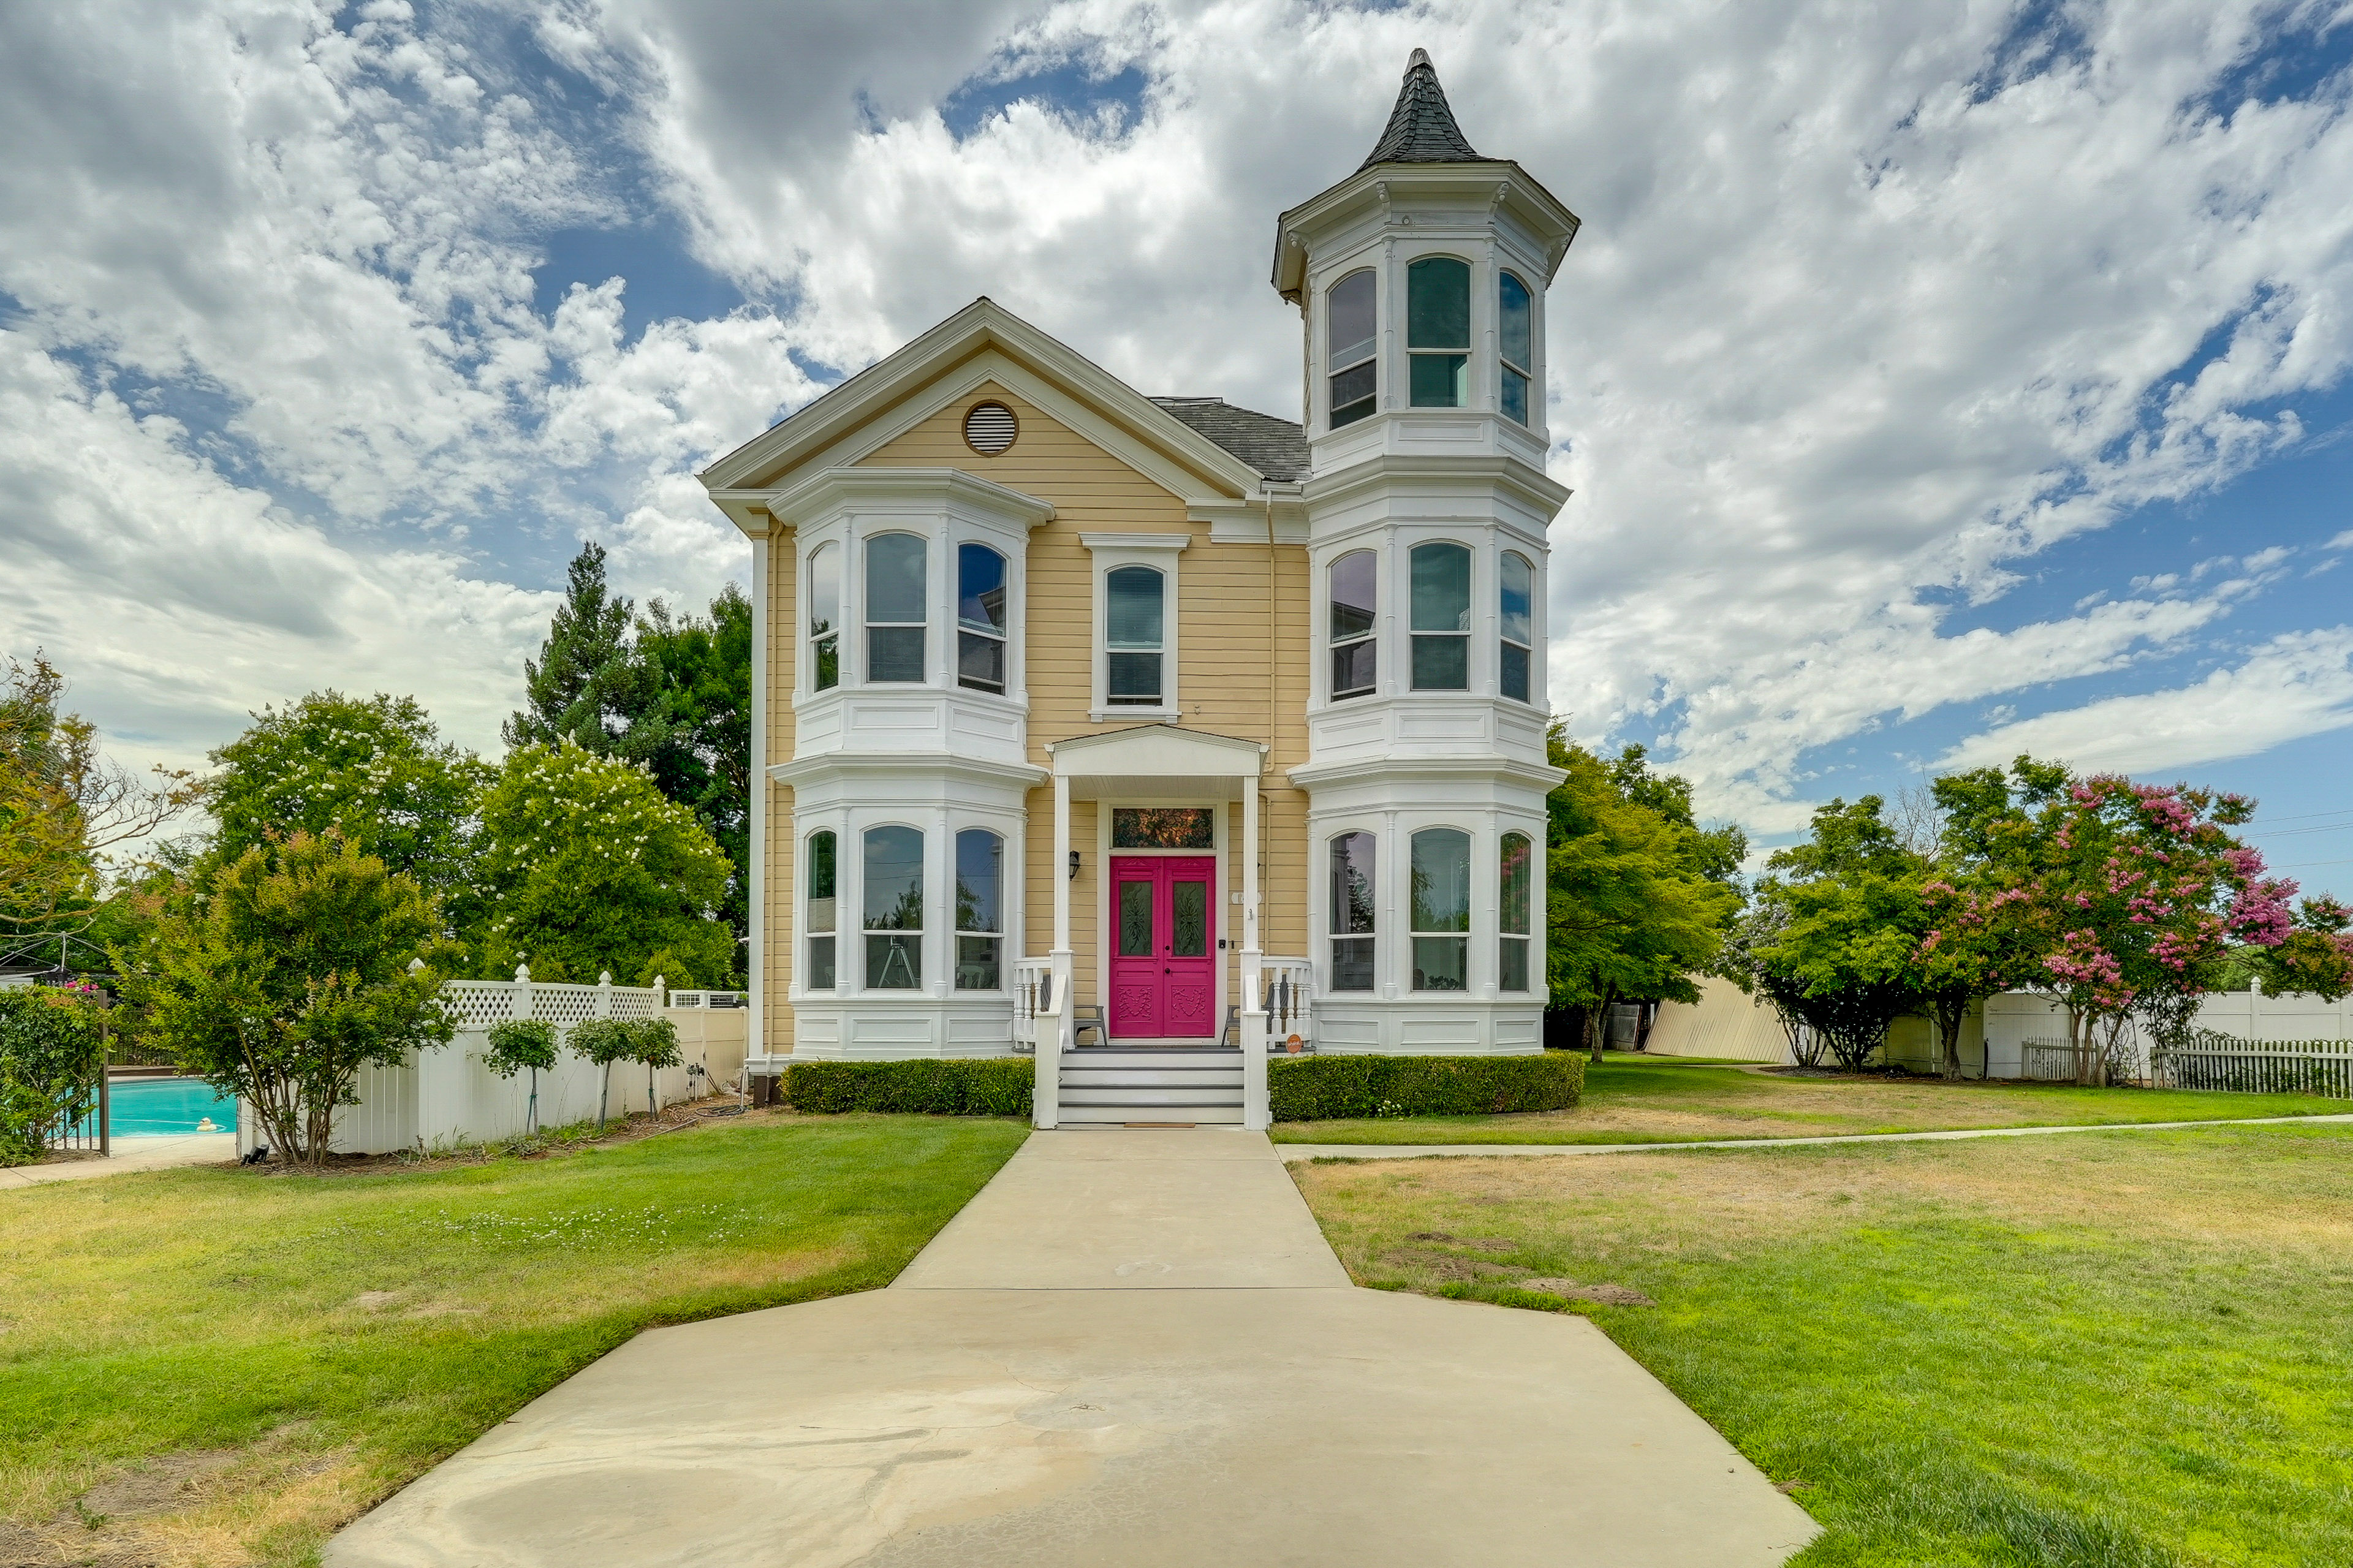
(1275, 448)
(1421, 128)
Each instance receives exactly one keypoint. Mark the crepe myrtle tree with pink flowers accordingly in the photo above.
(2115, 899)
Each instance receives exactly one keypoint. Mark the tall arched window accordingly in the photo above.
(980, 618)
(1515, 916)
(818, 975)
(1438, 331)
(1441, 617)
(1356, 656)
(1442, 910)
(1515, 338)
(1515, 585)
(1349, 329)
(980, 909)
(896, 607)
(1352, 913)
(894, 909)
(1133, 637)
(825, 617)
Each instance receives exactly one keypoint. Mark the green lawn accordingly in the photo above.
(1663, 1099)
(2090, 1351)
(221, 1366)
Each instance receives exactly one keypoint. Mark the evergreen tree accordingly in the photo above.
(585, 685)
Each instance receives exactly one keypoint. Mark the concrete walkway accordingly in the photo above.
(1133, 1347)
(1295, 1153)
(159, 1153)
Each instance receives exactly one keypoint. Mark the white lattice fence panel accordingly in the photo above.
(563, 1006)
(481, 1003)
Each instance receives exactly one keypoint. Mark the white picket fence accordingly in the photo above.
(2257, 1066)
(446, 1098)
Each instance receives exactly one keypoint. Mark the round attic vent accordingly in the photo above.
(991, 428)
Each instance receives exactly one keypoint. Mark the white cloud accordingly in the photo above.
(2300, 683)
(1862, 321)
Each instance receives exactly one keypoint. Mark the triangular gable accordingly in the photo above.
(983, 343)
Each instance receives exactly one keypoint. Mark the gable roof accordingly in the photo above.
(1276, 447)
(980, 328)
(1421, 128)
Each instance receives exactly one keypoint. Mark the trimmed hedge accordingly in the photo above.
(1320, 1088)
(992, 1085)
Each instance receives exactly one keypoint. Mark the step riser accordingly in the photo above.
(1150, 1097)
(1114, 1116)
(1100, 1059)
(1087, 1078)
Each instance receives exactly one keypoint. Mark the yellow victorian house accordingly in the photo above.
(1151, 733)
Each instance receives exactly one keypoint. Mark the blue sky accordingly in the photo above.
(1936, 381)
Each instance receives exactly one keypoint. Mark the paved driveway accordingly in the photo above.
(1131, 1348)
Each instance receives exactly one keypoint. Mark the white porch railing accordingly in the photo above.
(1032, 993)
(1285, 993)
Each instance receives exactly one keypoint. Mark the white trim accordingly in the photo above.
(755, 901)
(851, 408)
(1158, 552)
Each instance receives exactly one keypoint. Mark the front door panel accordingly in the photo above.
(1163, 965)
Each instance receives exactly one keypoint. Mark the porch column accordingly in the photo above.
(1251, 950)
(1054, 1029)
(1061, 866)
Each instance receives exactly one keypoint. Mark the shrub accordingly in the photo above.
(517, 1044)
(995, 1086)
(50, 1053)
(1316, 1089)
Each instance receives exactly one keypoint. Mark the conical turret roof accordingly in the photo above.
(1421, 128)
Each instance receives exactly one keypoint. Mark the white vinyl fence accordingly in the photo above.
(445, 1097)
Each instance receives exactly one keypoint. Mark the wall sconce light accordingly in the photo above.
(1074, 865)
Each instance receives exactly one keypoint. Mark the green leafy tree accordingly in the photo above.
(669, 692)
(279, 976)
(1846, 920)
(604, 1041)
(373, 770)
(2315, 958)
(519, 1044)
(586, 866)
(63, 810)
(585, 686)
(52, 1055)
(1632, 906)
(654, 1042)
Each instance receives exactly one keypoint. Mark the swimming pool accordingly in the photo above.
(157, 1107)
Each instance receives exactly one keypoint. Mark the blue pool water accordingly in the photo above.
(151, 1107)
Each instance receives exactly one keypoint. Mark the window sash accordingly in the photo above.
(1512, 964)
(981, 660)
(1440, 662)
(1438, 381)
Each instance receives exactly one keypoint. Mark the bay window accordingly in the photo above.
(1515, 584)
(819, 879)
(1515, 340)
(1355, 659)
(1353, 918)
(893, 907)
(980, 618)
(1440, 903)
(1441, 617)
(825, 617)
(1515, 917)
(896, 607)
(980, 909)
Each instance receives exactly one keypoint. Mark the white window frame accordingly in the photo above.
(805, 859)
(926, 984)
(805, 607)
(1159, 551)
(1010, 640)
(1007, 872)
(929, 624)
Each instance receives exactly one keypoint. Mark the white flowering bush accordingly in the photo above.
(583, 866)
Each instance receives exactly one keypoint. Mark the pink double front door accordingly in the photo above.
(1163, 965)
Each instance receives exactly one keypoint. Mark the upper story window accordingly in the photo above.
(1135, 636)
(1438, 331)
(980, 618)
(820, 881)
(1517, 917)
(1352, 913)
(1515, 584)
(896, 607)
(1442, 910)
(1356, 658)
(980, 909)
(894, 909)
(1441, 617)
(1350, 330)
(1515, 338)
(825, 617)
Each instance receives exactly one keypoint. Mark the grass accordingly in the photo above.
(1663, 1099)
(2078, 1353)
(217, 1366)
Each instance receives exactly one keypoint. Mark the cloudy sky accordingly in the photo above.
(1938, 380)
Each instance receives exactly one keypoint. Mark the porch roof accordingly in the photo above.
(1154, 759)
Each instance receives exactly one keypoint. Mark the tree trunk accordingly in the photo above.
(1949, 1018)
(1597, 1025)
(604, 1094)
(531, 1118)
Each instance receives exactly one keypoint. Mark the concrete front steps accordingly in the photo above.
(1130, 1082)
